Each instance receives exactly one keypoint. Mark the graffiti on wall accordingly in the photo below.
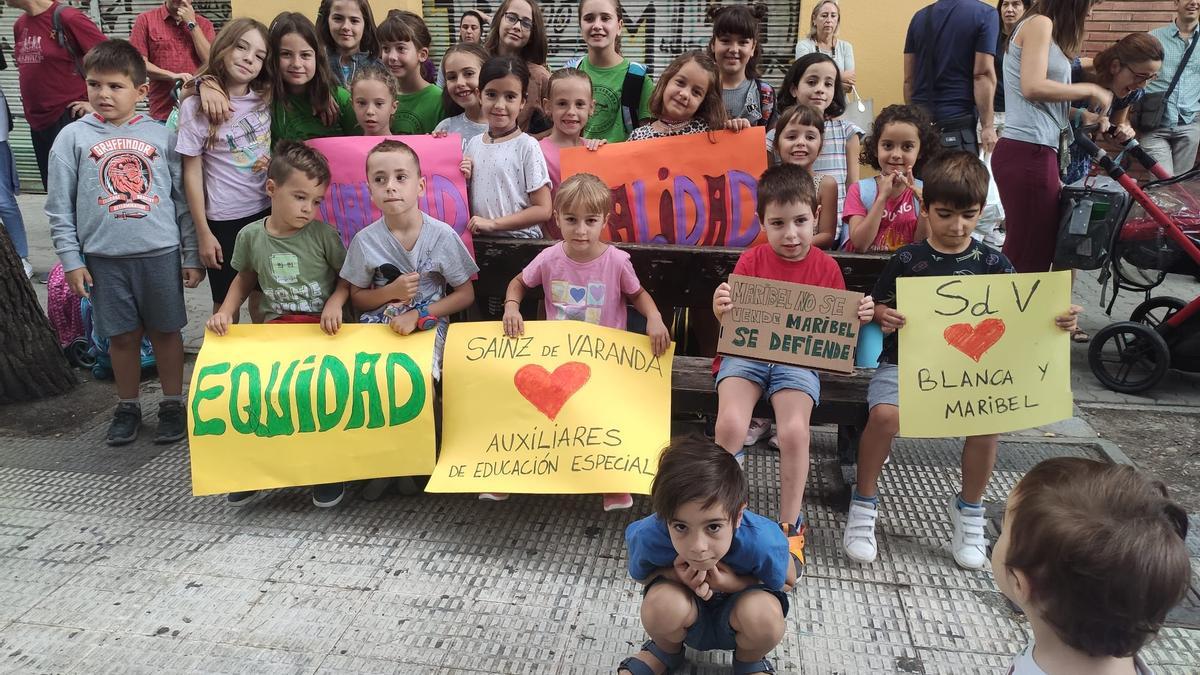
(655, 31)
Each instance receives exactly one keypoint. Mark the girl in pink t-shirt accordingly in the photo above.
(884, 213)
(570, 105)
(584, 279)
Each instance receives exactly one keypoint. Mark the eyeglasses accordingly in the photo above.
(521, 21)
(1141, 77)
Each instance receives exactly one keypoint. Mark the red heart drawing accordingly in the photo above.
(549, 392)
(974, 341)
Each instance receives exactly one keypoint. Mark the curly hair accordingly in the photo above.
(901, 114)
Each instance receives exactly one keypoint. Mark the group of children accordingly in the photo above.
(138, 212)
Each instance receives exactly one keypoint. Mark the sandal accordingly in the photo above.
(762, 665)
(639, 667)
(1080, 337)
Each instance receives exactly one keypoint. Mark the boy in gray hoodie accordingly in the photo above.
(120, 223)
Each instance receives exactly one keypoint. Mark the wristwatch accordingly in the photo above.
(191, 26)
(425, 320)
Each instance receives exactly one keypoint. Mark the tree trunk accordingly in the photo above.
(32, 365)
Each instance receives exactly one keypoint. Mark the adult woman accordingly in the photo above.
(1011, 12)
(519, 30)
(822, 37)
(1037, 96)
(470, 26)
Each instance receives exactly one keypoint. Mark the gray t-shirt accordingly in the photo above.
(502, 176)
(461, 125)
(735, 102)
(439, 255)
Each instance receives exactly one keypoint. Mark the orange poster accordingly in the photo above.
(697, 189)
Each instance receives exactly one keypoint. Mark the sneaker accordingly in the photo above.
(969, 545)
(759, 427)
(172, 423)
(375, 488)
(127, 419)
(27, 267)
(618, 502)
(859, 538)
(328, 494)
(796, 544)
(240, 498)
(493, 496)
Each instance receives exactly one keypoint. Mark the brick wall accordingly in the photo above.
(1115, 19)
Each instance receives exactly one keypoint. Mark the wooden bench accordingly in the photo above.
(681, 276)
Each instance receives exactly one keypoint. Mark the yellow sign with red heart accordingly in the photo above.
(982, 354)
(567, 407)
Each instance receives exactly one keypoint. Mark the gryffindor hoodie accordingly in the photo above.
(117, 192)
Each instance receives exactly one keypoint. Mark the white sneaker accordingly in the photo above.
(969, 545)
(28, 267)
(859, 538)
(759, 426)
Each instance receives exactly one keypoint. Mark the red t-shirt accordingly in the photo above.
(168, 45)
(817, 268)
(46, 71)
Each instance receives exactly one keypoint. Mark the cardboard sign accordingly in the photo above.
(809, 326)
(569, 407)
(697, 189)
(281, 405)
(348, 205)
(982, 354)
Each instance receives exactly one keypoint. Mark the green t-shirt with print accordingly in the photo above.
(418, 112)
(296, 120)
(297, 274)
(607, 122)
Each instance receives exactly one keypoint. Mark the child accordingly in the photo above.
(461, 66)
(569, 105)
(1127, 565)
(736, 48)
(224, 164)
(294, 259)
(622, 87)
(715, 574)
(687, 100)
(346, 29)
(788, 210)
(582, 262)
(956, 187)
(399, 266)
(404, 44)
(510, 184)
(799, 135)
(115, 196)
(814, 79)
(305, 95)
(883, 213)
(519, 30)
(373, 92)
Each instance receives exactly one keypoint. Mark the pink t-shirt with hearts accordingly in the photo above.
(594, 291)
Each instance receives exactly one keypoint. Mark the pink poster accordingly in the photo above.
(347, 204)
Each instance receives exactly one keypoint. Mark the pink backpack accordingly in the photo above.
(63, 310)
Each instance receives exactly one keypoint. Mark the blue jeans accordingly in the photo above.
(10, 213)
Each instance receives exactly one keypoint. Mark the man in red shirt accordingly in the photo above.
(175, 41)
(53, 92)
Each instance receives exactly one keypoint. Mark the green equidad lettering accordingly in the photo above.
(253, 407)
(365, 385)
(304, 396)
(332, 367)
(279, 418)
(403, 414)
(203, 427)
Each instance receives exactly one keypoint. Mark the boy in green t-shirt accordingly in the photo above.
(404, 47)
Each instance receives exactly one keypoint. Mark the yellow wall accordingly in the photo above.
(878, 44)
(265, 10)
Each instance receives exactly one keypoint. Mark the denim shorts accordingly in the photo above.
(712, 629)
(772, 377)
(884, 386)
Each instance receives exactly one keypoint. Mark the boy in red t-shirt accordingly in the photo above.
(788, 209)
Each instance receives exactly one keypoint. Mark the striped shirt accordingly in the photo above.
(832, 160)
(1185, 100)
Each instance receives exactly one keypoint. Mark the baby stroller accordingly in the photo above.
(1159, 233)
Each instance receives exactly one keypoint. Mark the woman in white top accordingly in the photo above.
(822, 37)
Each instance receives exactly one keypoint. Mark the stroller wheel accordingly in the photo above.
(1156, 311)
(80, 354)
(1129, 357)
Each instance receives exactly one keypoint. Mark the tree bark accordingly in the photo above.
(32, 365)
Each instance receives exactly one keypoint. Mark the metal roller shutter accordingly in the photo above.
(115, 19)
(655, 30)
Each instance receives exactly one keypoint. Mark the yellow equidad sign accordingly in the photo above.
(282, 405)
(568, 407)
(982, 354)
